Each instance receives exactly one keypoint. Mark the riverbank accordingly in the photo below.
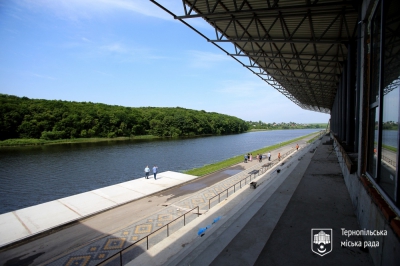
(138, 217)
(35, 142)
(211, 168)
(45, 173)
(39, 142)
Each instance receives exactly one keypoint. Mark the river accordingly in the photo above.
(37, 174)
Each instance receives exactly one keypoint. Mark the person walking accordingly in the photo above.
(279, 156)
(147, 171)
(155, 172)
(245, 158)
(269, 156)
(260, 159)
(251, 157)
(297, 146)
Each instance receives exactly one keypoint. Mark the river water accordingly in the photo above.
(34, 175)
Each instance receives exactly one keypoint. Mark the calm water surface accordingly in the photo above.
(34, 175)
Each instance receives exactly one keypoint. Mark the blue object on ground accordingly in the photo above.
(201, 231)
(217, 219)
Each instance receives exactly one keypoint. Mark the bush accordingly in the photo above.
(111, 135)
(52, 135)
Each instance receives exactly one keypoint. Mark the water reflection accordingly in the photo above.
(33, 175)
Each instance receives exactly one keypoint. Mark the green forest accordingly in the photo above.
(291, 125)
(24, 118)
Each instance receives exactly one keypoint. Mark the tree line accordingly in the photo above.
(21, 117)
(290, 125)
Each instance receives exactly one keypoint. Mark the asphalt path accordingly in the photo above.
(56, 243)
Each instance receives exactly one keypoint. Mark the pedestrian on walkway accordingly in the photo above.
(155, 171)
(279, 156)
(260, 159)
(251, 157)
(297, 146)
(147, 171)
(245, 158)
(269, 156)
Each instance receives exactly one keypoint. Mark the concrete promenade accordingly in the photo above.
(272, 224)
(89, 227)
(27, 222)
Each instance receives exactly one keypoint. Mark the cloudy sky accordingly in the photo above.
(129, 53)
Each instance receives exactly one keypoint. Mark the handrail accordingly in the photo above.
(274, 162)
(389, 161)
(119, 253)
(262, 168)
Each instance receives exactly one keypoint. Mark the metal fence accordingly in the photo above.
(389, 161)
(134, 250)
(232, 189)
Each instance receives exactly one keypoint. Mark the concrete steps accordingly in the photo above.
(240, 220)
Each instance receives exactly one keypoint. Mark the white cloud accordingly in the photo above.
(86, 9)
(201, 59)
(42, 76)
(114, 47)
(243, 88)
(127, 52)
(103, 73)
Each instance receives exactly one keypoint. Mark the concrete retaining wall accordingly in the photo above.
(372, 216)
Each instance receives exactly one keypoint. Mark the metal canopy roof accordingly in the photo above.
(296, 46)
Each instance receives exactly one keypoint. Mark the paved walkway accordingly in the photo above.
(30, 221)
(321, 200)
(57, 249)
(273, 224)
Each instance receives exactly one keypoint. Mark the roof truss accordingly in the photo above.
(297, 46)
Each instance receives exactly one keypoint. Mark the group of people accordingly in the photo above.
(147, 172)
(249, 157)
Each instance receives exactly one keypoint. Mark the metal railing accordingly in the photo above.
(389, 161)
(263, 168)
(132, 251)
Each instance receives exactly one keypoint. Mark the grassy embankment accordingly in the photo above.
(390, 148)
(313, 139)
(210, 168)
(36, 142)
(33, 142)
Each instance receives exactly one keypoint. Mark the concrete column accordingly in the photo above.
(343, 95)
(350, 104)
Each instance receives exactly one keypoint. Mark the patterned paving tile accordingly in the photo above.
(114, 243)
(143, 229)
(164, 217)
(197, 201)
(108, 246)
(78, 260)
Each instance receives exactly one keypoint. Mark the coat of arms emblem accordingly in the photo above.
(321, 241)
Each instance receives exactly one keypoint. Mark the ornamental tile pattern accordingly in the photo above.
(106, 247)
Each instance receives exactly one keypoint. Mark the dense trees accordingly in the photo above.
(290, 125)
(54, 119)
(389, 125)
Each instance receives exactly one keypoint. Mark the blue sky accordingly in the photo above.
(129, 53)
